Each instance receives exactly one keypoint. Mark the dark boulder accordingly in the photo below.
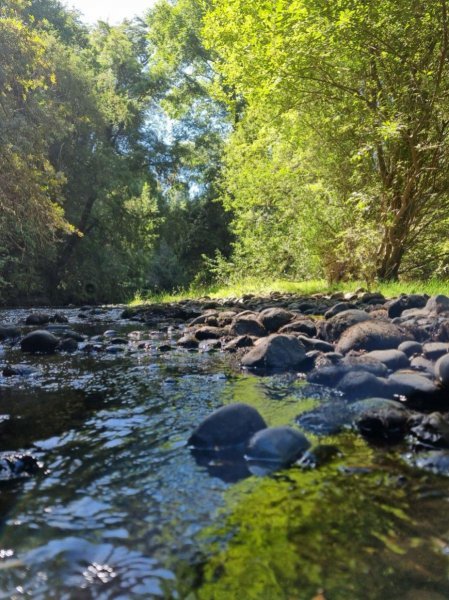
(8, 331)
(248, 324)
(410, 348)
(188, 341)
(68, 345)
(335, 326)
(274, 318)
(284, 352)
(418, 391)
(231, 425)
(242, 341)
(387, 424)
(282, 445)
(442, 370)
(357, 385)
(434, 350)
(396, 307)
(38, 319)
(338, 308)
(39, 341)
(305, 326)
(437, 304)
(371, 335)
(314, 344)
(424, 365)
(392, 359)
(209, 333)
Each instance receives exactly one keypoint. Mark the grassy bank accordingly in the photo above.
(262, 288)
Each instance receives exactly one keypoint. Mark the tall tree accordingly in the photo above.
(368, 82)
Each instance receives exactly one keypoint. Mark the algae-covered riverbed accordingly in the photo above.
(122, 509)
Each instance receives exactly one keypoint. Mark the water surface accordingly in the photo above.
(122, 509)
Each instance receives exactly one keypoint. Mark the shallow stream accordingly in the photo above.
(122, 509)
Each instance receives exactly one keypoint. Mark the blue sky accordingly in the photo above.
(109, 10)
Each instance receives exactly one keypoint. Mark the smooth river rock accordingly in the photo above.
(282, 445)
(39, 341)
(230, 425)
(282, 352)
(371, 335)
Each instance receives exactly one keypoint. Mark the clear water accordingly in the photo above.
(124, 510)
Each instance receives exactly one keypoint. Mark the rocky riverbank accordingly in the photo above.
(381, 366)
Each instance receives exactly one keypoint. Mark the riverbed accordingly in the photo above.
(121, 508)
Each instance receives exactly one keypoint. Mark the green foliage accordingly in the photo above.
(362, 88)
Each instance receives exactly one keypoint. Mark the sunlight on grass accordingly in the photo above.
(316, 286)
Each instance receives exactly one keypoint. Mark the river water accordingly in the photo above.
(122, 509)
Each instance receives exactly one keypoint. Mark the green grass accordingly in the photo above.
(264, 288)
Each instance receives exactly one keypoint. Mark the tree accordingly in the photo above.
(368, 83)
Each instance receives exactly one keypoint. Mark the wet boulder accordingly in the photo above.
(383, 423)
(242, 341)
(281, 445)
(230, 425)
(365, 362)
(442, 370)
(338, 308)
(38, 319)
(304, 326)
(315, 344)
(424, 365)
(410, 348)
(396, 307)
(371, 335)
(336, 325)
(68, 345)
(356, 385)
(327, 419)
(188, 341)
(434, 350)
(418, 391)
(274, 318)
(39, 341)
(209, 333)
(247, 324)
(392, 359)
(437, 304)
(281, 352)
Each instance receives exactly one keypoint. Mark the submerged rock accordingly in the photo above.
(281, 445)
(230, 425)
(20, 370)
(435, 461)
(431, 430)
(8, 331)
(17, 466)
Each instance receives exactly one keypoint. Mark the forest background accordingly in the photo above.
(210, 140)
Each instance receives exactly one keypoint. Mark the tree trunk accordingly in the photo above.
(391, 253)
